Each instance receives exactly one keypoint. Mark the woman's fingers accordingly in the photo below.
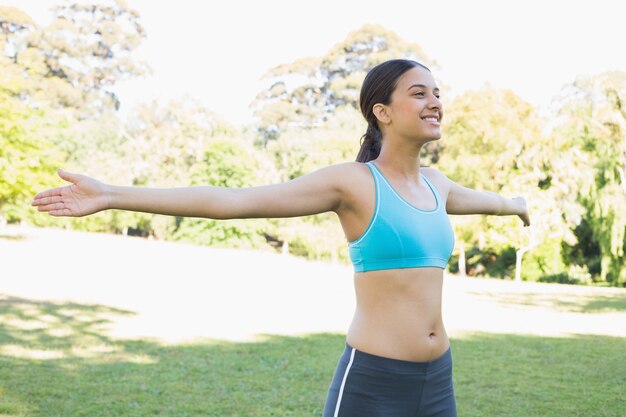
(68, 176)
(50, 207)
(525, 218)
(53, 192)
(42, 201)
(57, 209)
(61, 212)
(43, 197)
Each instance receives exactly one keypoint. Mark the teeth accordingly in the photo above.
(430, 119)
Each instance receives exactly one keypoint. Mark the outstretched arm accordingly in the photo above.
(463, 200)
(317, 192)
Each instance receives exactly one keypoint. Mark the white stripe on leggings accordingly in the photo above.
(343, 383)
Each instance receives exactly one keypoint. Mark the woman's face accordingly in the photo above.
(415, 109)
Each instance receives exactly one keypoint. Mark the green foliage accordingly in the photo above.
(78, 58)
(575, 275)
(25, 162)
(306, 93)
(595, 119)
(493, 141)
(503, 265)
(225, 163)
(486, 263)
(242, 234)
(56, 102)
(298, 152)
(316, 237)
(545, 259)
(585, 252)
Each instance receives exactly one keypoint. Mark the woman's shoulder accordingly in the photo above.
(350, 169)
(432, 173)
(437, 178)
(345, 175)
(351, 177)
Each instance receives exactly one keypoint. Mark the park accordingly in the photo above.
(145, 310)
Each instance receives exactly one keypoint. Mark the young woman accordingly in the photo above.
(397, 360)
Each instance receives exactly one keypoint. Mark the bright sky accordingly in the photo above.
(218, 51)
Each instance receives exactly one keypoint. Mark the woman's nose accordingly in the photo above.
(434, 103)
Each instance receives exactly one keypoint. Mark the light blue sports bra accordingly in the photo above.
(400, 235)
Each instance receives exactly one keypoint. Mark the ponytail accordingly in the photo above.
(371, 143)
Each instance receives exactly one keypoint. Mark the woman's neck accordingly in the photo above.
(402, 160)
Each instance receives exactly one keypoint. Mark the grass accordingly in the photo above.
(56, 360)
(513, 375)
(127, 337)
(581, 302)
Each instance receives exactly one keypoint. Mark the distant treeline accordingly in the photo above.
(58, 109)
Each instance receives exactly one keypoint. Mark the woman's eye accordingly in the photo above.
(421, 93)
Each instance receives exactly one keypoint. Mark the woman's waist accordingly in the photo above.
(410, 345)
(399, 320)
(412, 285)
(399, 337)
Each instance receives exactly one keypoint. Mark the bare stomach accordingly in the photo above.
(398, 314)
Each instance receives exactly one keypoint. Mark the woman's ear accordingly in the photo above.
(382, 114)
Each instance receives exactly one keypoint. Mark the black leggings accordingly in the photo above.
(367, 385)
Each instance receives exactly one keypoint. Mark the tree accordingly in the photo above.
(309, 118)
(49, 78)
(492, 140)
(24, 157)
(76, 60)
(225, 163)
(593, 118)
(298, 152)
(305, 93)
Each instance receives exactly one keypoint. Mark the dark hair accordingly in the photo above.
(379, 84)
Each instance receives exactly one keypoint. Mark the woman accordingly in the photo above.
(397, 360)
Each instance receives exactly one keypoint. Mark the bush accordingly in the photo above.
(225, 163)
(576, 275)
(486, 263)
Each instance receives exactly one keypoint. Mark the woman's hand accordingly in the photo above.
(523, 210)
(84, 196)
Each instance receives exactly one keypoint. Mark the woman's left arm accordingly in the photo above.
(463, 200)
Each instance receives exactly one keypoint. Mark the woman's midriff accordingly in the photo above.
(398, 314)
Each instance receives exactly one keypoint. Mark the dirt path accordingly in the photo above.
(180, 292)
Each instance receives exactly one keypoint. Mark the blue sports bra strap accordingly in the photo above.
(433, 189)
(375, 172)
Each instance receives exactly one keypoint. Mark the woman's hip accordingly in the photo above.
(368, 385)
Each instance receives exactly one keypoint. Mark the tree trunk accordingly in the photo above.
(518, 264)
(622, 111)
(462, 265)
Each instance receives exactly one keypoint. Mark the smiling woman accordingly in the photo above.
(397, 360)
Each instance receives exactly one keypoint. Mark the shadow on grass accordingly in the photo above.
(566, 302)
(30, 324)
(56, 359)
(14, 237)
(605, 303)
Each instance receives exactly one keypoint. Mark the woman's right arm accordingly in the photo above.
(320, 191)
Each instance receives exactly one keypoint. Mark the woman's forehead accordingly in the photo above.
(417, 76)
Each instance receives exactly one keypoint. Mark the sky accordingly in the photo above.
(217, 52)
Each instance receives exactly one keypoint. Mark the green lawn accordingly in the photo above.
(57, 360)
(109, 340)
